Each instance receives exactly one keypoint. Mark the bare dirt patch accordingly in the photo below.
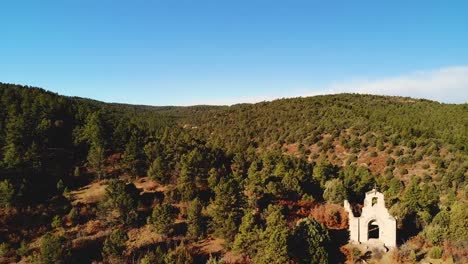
(291, 149)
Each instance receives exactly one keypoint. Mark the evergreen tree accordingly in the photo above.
(323, 171)
(53, 249)
(254, 185)
(309, 242)
(158, 171)
(186, 181)
(195, 219)
(246, 241)
(179, 255)
(273, 246)
(134, 157)
(94, 130)
(156, 257)
(225, 209)
(119, 199)
(97, 159)
(334, 191)
(458, 227)
(162, 218)
(7, 192)
(16, 139)
(114, 245)
(412, 196)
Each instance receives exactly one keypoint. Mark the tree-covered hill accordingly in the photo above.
(301, 120)
(82, 180)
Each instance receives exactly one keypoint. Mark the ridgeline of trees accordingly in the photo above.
(244, 174)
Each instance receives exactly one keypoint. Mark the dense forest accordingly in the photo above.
(83, 181)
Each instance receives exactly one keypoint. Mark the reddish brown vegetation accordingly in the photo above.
(330, 215)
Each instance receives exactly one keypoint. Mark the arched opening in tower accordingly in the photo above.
(373, 230)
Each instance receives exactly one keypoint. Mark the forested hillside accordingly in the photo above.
(84, 181)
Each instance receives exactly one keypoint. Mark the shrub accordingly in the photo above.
(77, 172)
(60, 186)
(73, 215)
(213, 260)
(6, 193)
(114, 245)
(56, 222)
(23, 249)
(356, 253)
(156, 257)
(3, 249)
(53, 249)
(398, 152)
(179, 255)
(435, 252)
(404, 255)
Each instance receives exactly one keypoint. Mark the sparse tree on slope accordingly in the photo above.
(162, 218)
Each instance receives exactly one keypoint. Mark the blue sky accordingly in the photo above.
(183, 52)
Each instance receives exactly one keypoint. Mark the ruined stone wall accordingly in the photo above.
(375, 212)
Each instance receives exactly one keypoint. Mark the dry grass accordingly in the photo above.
(209, 245)
(234, 258)
(142, 237)
(89, 194)
(148, 185)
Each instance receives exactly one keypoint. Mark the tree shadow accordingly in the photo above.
(179, 229)
(339, 238)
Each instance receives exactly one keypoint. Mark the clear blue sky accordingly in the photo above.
(180, 52)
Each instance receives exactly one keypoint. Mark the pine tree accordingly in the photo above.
(156, 257)
(53, 249)
(114, 245)
(273, 246)
(119, 200)
(179, 255)
(186, 182)
(323, 171)
(458, 227)
(162, 218)
(254, 185)
(309, 242)
(15, 141)
(334, 191)
(225, 209)
(158, 171)
(93, 133)
(134, 158)
(195, 219)
(246, 241)
(94, 130)
(7, 192)
(96, 159)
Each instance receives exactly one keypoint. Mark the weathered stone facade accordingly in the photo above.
(375, 223)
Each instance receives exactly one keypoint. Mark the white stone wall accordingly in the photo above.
(358, 226)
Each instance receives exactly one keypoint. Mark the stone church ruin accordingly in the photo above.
(375, 226)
